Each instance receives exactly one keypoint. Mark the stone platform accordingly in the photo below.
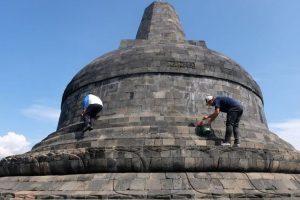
(209, 185)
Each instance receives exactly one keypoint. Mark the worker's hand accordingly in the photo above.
(205, 117)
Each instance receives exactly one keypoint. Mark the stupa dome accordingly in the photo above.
(152, 87)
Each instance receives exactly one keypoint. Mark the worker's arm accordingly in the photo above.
(83, 111)
(212, 116)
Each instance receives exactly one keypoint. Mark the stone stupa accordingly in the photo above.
(141, 146)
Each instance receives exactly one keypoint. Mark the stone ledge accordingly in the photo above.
(150, 159)
(208, 185)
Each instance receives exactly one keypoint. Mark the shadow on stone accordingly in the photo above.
(79, 135)
(208, 133)
(191, 124)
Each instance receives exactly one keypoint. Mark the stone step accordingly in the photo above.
(145, 134)
(57, 143)
(151, 120)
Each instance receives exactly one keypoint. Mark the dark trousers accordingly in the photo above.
(90, 114)
(232, 124)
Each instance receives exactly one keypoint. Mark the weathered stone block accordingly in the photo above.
(138, 184)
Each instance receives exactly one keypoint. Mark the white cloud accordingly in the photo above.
(42, 113)
(13, 143)
(288, 130)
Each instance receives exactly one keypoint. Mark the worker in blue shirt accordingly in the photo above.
(92, 105)
(234, 112)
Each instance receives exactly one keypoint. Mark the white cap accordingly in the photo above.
(208, 98)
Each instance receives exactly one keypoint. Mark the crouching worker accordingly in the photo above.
(92, 105)
(234, 112)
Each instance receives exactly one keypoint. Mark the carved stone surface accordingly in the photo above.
(184, 185)
(168, 158)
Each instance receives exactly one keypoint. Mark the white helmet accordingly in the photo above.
(208, 98)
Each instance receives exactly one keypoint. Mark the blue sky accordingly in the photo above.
(44, 43)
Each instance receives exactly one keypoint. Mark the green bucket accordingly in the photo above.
(204, 130)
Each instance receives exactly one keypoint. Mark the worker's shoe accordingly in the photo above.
(236, 145)
(225, 144)
(87, 128)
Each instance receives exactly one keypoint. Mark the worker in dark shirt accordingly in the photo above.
(234, 112)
